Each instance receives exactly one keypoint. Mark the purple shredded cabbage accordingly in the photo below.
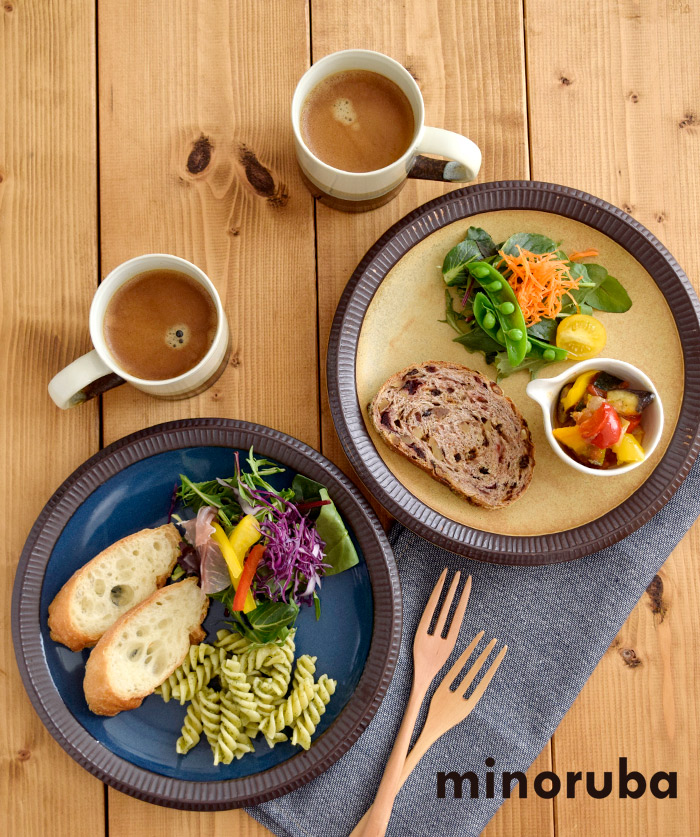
(292, 564)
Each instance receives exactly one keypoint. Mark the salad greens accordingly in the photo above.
(474, 299)
(300, 533)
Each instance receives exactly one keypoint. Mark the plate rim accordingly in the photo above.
(531, 550)
(141, 782)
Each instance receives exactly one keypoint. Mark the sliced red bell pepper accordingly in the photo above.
(603, 428)
(634, 422)
(249, 569)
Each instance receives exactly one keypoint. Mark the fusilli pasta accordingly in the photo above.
(252, 697)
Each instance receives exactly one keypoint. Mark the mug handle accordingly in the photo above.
(85, 378)
(464, 157)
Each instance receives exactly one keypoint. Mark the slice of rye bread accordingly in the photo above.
(459, 427)
(144, 647)
(109, 585)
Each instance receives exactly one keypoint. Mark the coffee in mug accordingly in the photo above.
(357, 120)
(159, 324)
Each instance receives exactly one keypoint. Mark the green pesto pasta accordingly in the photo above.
(287, 713)
(233, 679)
(208, 706)
(253, 696)
(191, 730)
(305, 725)
(196, 670)
(232, 740)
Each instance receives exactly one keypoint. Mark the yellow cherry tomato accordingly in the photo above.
(581, 336)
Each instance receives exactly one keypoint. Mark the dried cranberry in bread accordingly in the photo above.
(459, 427)
(144, 647)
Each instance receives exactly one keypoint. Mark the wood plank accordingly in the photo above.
(177, 78)
(221, 74)
(470, 88)
(48, 265)
(622, 124)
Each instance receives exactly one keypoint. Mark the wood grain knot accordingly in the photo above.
(235, 359)
(234, 231)
(200, 156)
(8, 7)
(661, 217)
(630, 658)
(565, 81)
(628, 208)
(261, 179)
(690, 120)
(655, 591)
(633, 97)
(411, 71)
(23, 755)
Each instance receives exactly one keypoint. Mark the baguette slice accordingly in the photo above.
(459, 427)
(121, 576)
(144, 647)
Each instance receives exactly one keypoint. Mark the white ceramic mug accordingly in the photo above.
(98, 371)
(358, 191)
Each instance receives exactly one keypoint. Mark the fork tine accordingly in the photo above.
(451, 675)
(459, 611)
(427, 616)
(476, 668)
(447, 605)
(488, 675)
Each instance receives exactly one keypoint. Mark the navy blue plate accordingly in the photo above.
(127, 487)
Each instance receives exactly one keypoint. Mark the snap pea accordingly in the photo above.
(505, 306)
(485, 317)
(546, 350)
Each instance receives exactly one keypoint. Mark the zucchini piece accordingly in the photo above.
(629, 402)
(606, 381)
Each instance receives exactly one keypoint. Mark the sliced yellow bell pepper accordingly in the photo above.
(572, 438)
(243, 536)
(234, 559)
(578, 389)
(628, 449)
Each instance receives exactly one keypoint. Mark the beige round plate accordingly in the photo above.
(401, 327)
(389, 319)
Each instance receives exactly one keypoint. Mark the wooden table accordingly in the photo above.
(101, 106)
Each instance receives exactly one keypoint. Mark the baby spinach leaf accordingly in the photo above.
(609, 296)
(532, 364)
(305, 489)
(544, 330)
(460, 255)
(599, 290)
(269, 622)
(454, 318)
(533, 242)
(477, 340)
(483, 241)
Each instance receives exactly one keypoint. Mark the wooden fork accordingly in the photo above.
(430, 653)
(447, 709)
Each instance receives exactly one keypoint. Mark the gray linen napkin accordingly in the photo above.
(558, 622)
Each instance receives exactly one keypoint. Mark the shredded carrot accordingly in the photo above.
(539, 281)
(583, 254)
